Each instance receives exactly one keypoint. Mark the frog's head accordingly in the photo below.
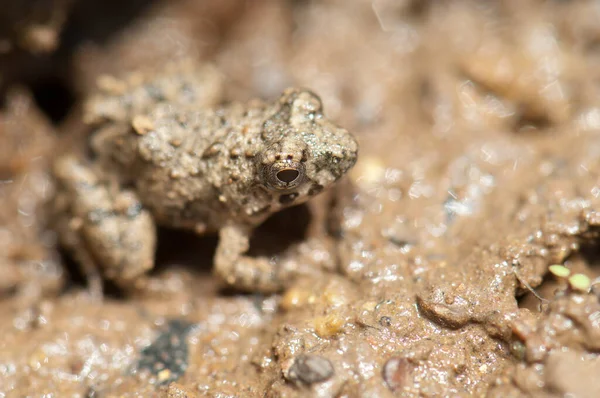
(306, 153)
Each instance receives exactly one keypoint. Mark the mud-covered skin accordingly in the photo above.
(219, 170)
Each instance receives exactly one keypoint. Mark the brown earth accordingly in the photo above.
(425, 273)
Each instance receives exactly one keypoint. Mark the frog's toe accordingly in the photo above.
(250, 275)
(242, 272)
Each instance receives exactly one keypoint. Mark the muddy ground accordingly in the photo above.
(424, 273)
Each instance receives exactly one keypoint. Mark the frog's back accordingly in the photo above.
(141, 117)
(178, 154)
(120, 100)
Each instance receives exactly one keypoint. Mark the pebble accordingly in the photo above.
(328, 326)
(310, 369)
(396, 372)
(167, 356)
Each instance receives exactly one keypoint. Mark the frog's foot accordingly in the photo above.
(242, 272)
(106, 229)
(91, 273)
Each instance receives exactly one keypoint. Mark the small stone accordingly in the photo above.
(175, 142)
(327, 326)
(142, 124)
(518, 350)
(396, 372)
(310, 369)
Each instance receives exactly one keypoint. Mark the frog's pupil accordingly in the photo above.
(288, 175)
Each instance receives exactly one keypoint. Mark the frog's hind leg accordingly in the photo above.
(243, 272)
(105, 228)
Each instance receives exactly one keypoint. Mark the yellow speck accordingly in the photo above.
(163, 375)
(294, 298)
(329, 325)
(580, 282)
(36, 359)
(142, 124)
(559, 270)
(483, 368)
(176, 142)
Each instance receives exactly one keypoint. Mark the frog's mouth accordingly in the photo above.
(299, 195)
(287, 199)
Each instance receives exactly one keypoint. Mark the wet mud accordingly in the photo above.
(425, 272)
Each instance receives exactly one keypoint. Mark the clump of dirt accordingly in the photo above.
(424, 272)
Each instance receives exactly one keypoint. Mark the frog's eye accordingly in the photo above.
(283, 174)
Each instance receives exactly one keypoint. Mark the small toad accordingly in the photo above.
(160, 156)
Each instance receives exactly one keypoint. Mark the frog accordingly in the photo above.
(161, 155)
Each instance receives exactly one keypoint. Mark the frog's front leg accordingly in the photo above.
(243, 272)
(105, 227)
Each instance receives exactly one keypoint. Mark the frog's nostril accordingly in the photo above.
(287, 175)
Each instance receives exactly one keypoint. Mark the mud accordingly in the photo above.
(424, 273)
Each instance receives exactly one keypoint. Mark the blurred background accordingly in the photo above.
(479, 127)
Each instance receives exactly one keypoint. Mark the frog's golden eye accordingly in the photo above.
(283, 174)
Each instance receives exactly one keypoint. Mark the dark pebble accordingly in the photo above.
(168, 351)
(310, 369)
